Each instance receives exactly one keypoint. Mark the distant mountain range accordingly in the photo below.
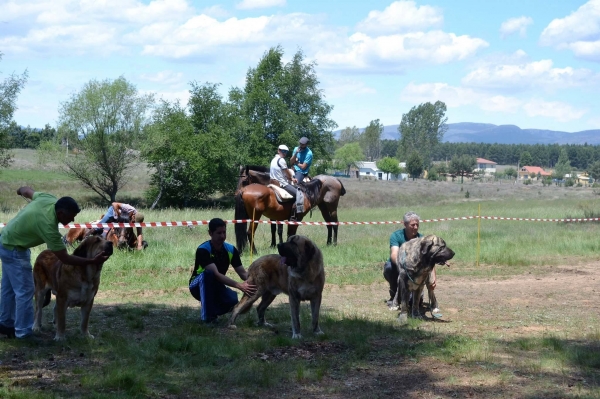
(468, 132)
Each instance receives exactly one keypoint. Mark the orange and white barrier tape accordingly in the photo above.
(205, 222)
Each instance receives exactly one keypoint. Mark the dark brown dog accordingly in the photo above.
(72, 285)
(298, 272)
(416, 260)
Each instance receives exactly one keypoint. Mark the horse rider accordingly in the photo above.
(280, 171)
(301, 159)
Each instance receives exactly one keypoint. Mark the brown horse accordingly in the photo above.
(328, 201)
(259, 200)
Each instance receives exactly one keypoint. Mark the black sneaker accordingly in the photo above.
(8, 331)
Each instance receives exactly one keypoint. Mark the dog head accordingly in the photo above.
(92, 246)
(297, 251)
(434, 250)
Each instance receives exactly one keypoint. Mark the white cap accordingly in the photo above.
(283, 147)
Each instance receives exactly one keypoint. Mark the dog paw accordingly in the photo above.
(296, 336)
(394, 307)
(36, 328)
(319, 332)
(59, 338)
(268, 325)
(88, 336)
(403, 318)
(232, 327)
(435, 310)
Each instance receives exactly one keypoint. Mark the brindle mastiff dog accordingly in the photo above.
(72, 285)
(416, 259)
(298, 272)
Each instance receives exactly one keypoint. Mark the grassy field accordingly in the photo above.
(521, 324)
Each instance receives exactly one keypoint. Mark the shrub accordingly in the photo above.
(569, 182)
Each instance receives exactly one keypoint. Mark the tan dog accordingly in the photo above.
(416, 260)
(72, 285)
(298, 272)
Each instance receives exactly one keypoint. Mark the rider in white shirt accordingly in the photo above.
(281, 172)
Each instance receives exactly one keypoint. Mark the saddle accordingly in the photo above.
(281, 194)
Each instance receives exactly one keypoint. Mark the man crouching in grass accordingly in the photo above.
(399, 237)
(209, 282)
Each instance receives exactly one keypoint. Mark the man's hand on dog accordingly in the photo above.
(247, 288)
(100, 258)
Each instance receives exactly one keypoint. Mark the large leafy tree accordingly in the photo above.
(282, 103)
(348, 156)
(389, 165)
(371, 140)
(594, 170)
(349, 135)
(108, 117)
(414, 165)
(462, 165)
(194, 153)
(421, 130)
(563, 166)
(9, 91)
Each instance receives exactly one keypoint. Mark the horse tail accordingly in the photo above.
(241, 229)
(343, 189)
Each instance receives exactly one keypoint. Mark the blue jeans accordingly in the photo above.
(16, 297)
(108, 217)
(216, 298)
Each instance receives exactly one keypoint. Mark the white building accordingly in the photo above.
(370, 169)
(485, 166)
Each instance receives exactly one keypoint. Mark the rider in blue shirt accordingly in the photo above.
(301, 159)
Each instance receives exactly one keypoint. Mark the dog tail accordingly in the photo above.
(241, 229)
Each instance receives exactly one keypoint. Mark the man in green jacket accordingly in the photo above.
(34, 225)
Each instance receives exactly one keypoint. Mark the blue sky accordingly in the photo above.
(531, 63)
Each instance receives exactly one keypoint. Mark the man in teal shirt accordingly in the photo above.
(301, 160)
(34, 225)
(399, 237)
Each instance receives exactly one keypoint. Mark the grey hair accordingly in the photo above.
(410, 215)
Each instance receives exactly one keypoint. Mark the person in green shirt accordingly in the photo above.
(34, 225)
(399, 237)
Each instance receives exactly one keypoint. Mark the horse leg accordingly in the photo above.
(252, 231)
(273, 233)
(276, 229)
(327, 217)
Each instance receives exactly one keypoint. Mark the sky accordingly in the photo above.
(534, 63)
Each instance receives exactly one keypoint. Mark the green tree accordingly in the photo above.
(389, 165)
(462, 165)
(414, 165)
(526, 159)
(10, 88)
(282, 103)
(109, 116)
(371, 140)
(511, 172)
(194, 153)
(422, 129)
(563, 166)
(594, 170)
(389, 148)
(348, 156)
(349, 135)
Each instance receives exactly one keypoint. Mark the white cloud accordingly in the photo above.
(345, 87)
(402, 16)
(216, 12)
(251, 4)
(514, 25)
(397, 52)
(164, 77)
(578, 32)
(520, 76)
(557, 110)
